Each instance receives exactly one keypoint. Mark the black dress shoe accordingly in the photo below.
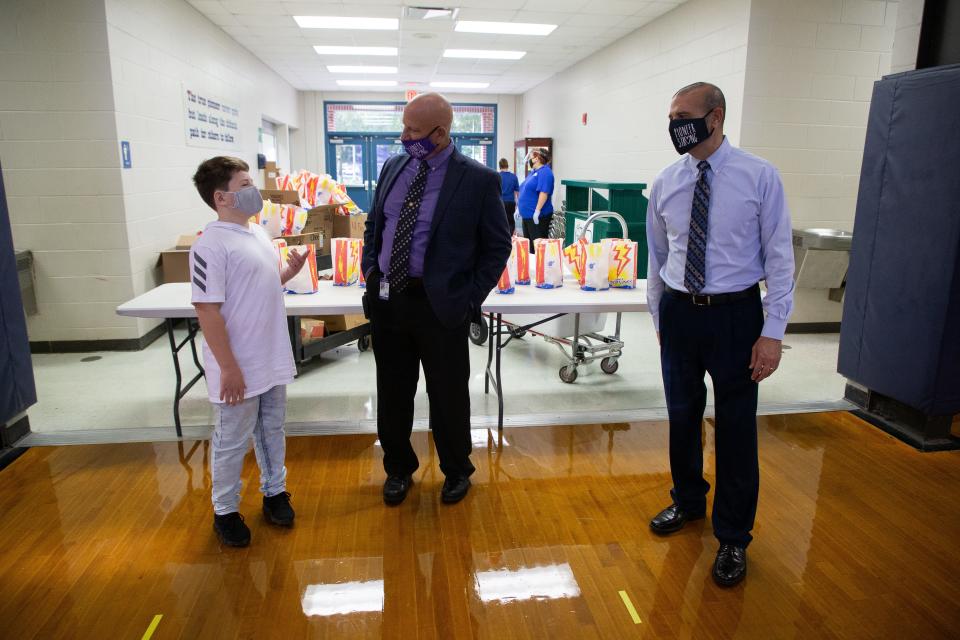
(672, 519)
(730, 566)
(277, 509)
(395, 489)
(454, 489)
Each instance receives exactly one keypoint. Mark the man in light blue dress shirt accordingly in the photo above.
(717, 225)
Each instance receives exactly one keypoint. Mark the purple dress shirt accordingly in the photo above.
(428, 206)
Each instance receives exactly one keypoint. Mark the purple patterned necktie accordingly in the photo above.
(695, 273)
(399, 276)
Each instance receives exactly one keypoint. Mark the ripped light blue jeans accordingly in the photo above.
(260, 417)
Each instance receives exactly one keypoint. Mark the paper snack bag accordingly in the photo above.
(575, 258)
(549, 273)
(596, 268)
(509, 275)
(521, 247)
(307, 280)
(292, 220)
(345, 253)
(623, 264)
(271, 218)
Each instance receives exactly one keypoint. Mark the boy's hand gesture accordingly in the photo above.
(295, 262)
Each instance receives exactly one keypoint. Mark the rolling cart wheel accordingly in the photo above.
(568, 374)
(478, 333)
(609, 365)
(363, 344)
(518, 333)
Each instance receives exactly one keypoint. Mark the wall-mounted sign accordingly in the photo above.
(210, 121)
(125, 154)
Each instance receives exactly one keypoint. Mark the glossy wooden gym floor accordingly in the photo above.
(857, 536)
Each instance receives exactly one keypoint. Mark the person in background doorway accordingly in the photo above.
(509, 190)
(237, 290)
(536, 193)
(717, 225)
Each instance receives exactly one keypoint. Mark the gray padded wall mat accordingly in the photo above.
(903, 285)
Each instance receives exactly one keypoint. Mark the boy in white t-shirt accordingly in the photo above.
(237, 289)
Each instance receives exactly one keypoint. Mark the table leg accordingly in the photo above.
(499, 385)
(175, 349)
(486, 377)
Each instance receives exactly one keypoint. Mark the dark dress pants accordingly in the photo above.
(406, 333)
(536, 231)
(717, 340)
(510, 208)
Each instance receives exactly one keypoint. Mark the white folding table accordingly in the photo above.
(172, 301)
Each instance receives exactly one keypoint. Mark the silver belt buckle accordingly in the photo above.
(697, 297)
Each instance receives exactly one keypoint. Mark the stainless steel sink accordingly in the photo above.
(822, 239)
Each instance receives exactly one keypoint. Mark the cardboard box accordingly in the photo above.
(175, 265)
(270, 176)
(349, 226)
(320, 220)
(311, 330)
(316, 239)
(269, 165)
(186, 241)
(278, 196)
(341, 323)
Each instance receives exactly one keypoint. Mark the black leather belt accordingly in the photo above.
(711, 299)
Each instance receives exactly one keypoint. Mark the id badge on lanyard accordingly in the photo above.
(384, 289)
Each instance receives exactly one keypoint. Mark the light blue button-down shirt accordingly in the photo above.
(749, 237)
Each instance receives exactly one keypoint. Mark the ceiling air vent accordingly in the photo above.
(430, 13)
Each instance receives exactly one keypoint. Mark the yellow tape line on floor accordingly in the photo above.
(630, 608)
(156, 621)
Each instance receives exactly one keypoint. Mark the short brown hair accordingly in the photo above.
(215, 174)
(543, 153)
(712, 96)
(504, 164)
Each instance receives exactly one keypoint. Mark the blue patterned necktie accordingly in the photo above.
(399, 276)
(695, 273)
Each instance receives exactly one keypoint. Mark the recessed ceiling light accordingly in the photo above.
(460, 85)
(367, 83)
(505, 28)
(359, 69)
(486, 54)
(339, 22)
(338, 50)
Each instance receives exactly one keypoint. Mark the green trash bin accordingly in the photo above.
(627, 199)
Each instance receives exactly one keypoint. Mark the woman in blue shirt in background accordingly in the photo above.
(510, 187)
(536, 193)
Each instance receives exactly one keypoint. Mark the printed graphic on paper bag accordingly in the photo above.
(575, 257)
(346, 260)
(503, 285)
(521, 246)
(596, 268)
(623, 265)
(549, 268)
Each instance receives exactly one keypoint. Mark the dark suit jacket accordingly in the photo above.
(469, 237)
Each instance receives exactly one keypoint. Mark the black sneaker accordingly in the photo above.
(231, 530)
(277, 509)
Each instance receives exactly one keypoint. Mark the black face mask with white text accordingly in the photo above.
(686, 133)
